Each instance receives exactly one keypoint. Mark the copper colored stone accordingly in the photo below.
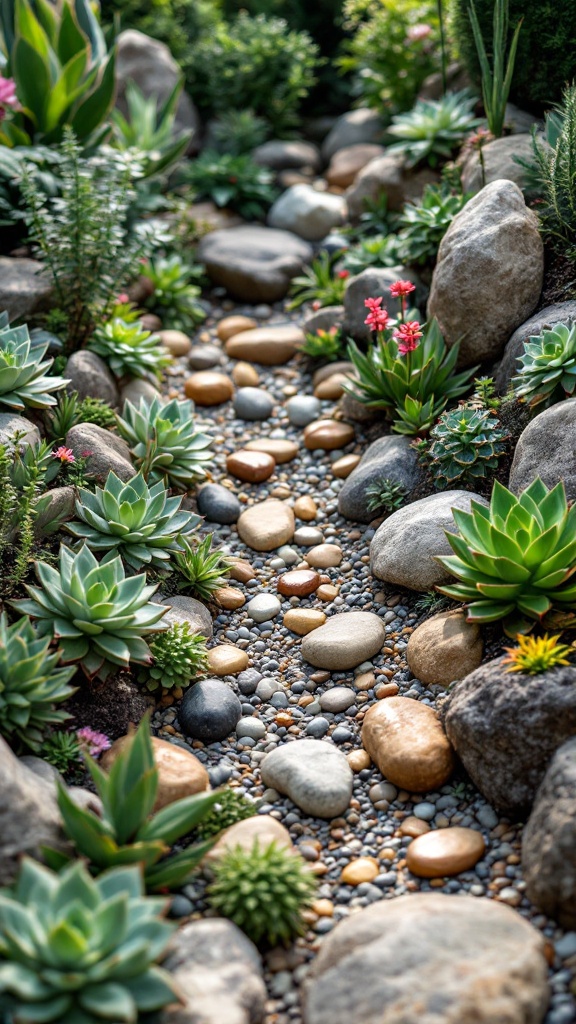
(252, 467)
(298, 583)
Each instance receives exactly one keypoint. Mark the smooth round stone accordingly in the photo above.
(251, 727)
(324, 372)
(269, 346)
(305, 508)
(406, 740)
(298, 583)
(326, 592)
(150, 322)
(180, 773)
(344, 641)
(202, 357)
(245, 376)
(303, 620)
(177, 343)
(241, 571)
(207, 387)
(444, 648)
(425, 811)
(232, 325)
(266, 525)
(344, 466)
(251, 467)
(288, 555)
(226, 660)
(324, 556)
(209, 710)
(413, 826)
(328, 435)
(363, 869)
(331, 389)
(280, 450)
(337, 699)
(446, 851)
(253, 404)
(230, 598)
(302, 410)
(358, 760)
(313, 773)
(308, 536)
(263, 607)
(261, 829)
(218, 504)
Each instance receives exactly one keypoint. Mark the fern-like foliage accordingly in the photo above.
(554, 173)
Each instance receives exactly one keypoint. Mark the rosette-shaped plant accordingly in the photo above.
(78, 950)
(516, 558)
(180, 656)
(536, 654)
(130, 350)
(433, 129)
(138, 521)
(98, 617)
(547, 373)
(465, 445)
(30, 684)
(164, 443)
(23, 380)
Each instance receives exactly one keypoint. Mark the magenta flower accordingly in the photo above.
(8, 97)
(92, 742)
(377, 319)
(400, 289)
(407, 336)
(64, 454)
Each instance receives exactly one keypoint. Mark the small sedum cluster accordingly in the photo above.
(179, 657)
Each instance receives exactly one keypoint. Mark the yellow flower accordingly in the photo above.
(536, 654)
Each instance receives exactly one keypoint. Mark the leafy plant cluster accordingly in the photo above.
(129, 350)
(24, 373)
(179, 657)
(536, 654)
(433, 129)
(464, 447)
(385, 495)
(553, 174)
(323, 346)
(233, 180)
(174, 294)
(70, 410)
(319, 283)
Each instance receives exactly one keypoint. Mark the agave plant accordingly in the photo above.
(164, 443)
(515, 558)
(547, 373)
(433, 129)
(130, 350)
(97, 615)
(465, 445)
(128, 832)
(23, 379)
(78, 950)
(138, 521)
(204, 570)
(30, 684)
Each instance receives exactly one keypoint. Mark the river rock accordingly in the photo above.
(313, 773)
(106, 451)
(253, 403)
(209, 711)
(180, 773)
(387, 458)
(263, 607)
(218, 504)
(235, 324)
(303, 409)
(254, 263)
(405, 739)
(303, 620)
(344, 641)
(545, 448)
(136, 389)
(177, 343)
(270, 346)
(59, 507)
(345, 465)
(267, 525)
(445, 851)
(347, 162)
(262, 829)
(444, 648)
(558, 313)
(281, 449)
(351, 129)
(324, 556)
(307, 212)
(209, 388)
(253, 467)
(11, 424)
(371, 283)
(328, 435)
(298, 583)
(24, 289)
(89, 375)
(188, 609)
(227, 660)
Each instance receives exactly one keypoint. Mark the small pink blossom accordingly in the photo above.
(416, 33)
(122, 299)
(479, 138)
(343, 274)
(400, 289)
(93, 742)
(377, 319)
(64, 454)
(8, 97)
(407, 336)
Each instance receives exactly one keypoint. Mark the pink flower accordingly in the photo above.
(64, 454)
(407, 336)
(377, 319)
(400, 289)
(92, 742)
(343, 274)
(418, 32)
(479, 138)
(122, 299)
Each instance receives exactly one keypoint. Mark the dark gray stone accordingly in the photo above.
(370, 284)
(254, 263)
(322, 319)
(352, 128)
(218, 504)
(204, 357)
(209, 711)
(282, 155)
(505, 727)
(90, 377)
(107, 451)
(546, 449)
(387, 457)
(559, 313)
(24, 289)
(56, 507)
(248, 681)
(253, 404)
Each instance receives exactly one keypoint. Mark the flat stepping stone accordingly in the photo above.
(314, 774)
(344, 641)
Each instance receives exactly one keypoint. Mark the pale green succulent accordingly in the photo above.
(135, 519)
(30, 683)
(98, 616)
(547, 372)
(81, 950)
(23, 380)
(130, 350)
(164, 443)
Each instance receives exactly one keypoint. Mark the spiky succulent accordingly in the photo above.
(323, 346)
(78, 950)
(23, 379)
(263, 890)
(204, 570)
(385, 494)
(164, 443)
(232, 806)
(516, 558)
(130, 350)
(98, 617)
(433, 129)
(70, 410)
(423, 225)
(30, 684)
(174, 296)
(536, 654)
(62, 750)
(179, 656)
(547, 372)
(136, 519)
(464, 446)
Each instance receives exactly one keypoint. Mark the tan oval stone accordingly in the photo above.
(328, 435)
(229, 598)
(267, 525)
(282, 492)
(444, 648)
(209, 388)
(298, 583)
(281, 450)
(331, 389)
(303, 620)
(232, 325)
(324, 908)
(324, 556)
(326, 592)
(252, 467)
(261, 828)
(150, 322)
(414, 826)
(364, 681)
(405, 739)
(358, 760)
(364, 869)
(445, 851)
(344, 466)
(324, 372)
(241, 571)
(245, 376)
(180, 773)
(226, 660)
(268, 346)
(177, 343)
(305, 508)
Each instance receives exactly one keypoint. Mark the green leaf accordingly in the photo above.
(109, 1001)
(178, 819)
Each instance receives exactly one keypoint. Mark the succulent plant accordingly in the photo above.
(164, 443)
(69, 411)
(385, 494)
(516, 558)
(78, 950)
(263, 890)
(423, 225)
(232, 806)
(204, 570)
(98, 616)
(433, 129)
(62, 750)
(174, 297)
(323, 346)
(536, 654)
(130, 350)
(547, 373)
(30, 684)
(23, 379)
(464, 446)
(135, 519)
(319, 283)
(179, 656)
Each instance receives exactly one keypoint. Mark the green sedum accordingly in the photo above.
(547, 371)
(23, 373)
(164, 443)
(130, 350)
(465, 446)
(179, 657)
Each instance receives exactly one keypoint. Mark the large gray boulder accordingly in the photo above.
(387, 458)
(254, 263)
(369, 284)
(558, 313)
(362, 125)
(307, 212)
(489, 273)
(505, 727)
(24, 289)
(546, 449)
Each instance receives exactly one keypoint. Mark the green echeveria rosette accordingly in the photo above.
(130, 350)
(23, 379)
(98, 616)
(141, 522)
(465, 444)
(164, 443)
(547, 372)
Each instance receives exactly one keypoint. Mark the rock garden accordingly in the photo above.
(287, 512)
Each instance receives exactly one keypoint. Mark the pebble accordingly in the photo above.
(406, 741)
(324, 556)
(412, 826)
(268, 346)
(180, 773)
(209, 388)
(267, 525)
(263, 607)
(177, 343)
(337, 699)
(229, 598)
(328, 435)
(308, 536)
(218, 504)
(303, 620)
(332, 388)
(251, 467)
(203, 357)
(315, 775)
(358, 760)
(298, 583)
(261, 828)
(447, 851)
(253, 404)
(245, 376)
(232, 325)
(344, 641)
(209, 710)
(281, 450)
(302, 409)
(305, 508)
(288, 555)
(252, 727)
(327, 592)
(344, 466)
(226, 660)
(363, 869)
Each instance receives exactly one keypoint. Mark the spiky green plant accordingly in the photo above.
(130, 350)
(204, 570)
(70, 410)
(496, 75)
(23, 378)
(232, 806)
(515, 559)
(385, 495)
(536, 654)
(164, 443)
(423, 225)
(78, 950)
(263, 890)
(175, 297)
(433, 129)
(179, 657)
(553, 174)
(62, 750)
(97, 615)
(319, 283)
(375, 251)
(465, 445)
(323, 346)
(30, 684)
(137, 520)
(128, 831)
(547, 371)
